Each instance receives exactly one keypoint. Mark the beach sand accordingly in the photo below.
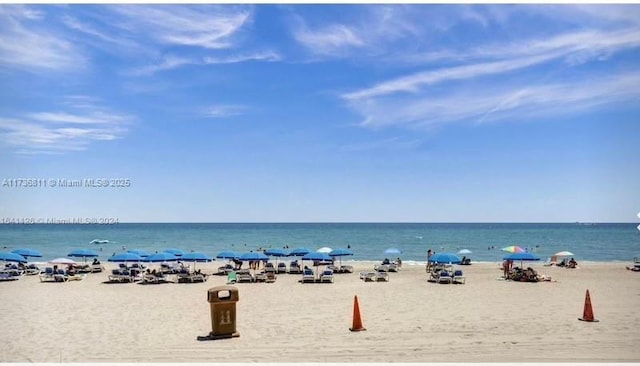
(407, 319)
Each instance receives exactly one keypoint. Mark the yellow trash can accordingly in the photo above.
(222, 300)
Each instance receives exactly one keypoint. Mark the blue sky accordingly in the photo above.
(297, 113)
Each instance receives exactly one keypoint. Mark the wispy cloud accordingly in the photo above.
(504, 102)
(329, 40)
(210, 27)
(224, 110)
(28, 43)
(61, 131)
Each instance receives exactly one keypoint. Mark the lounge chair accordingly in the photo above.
(393, 267)
(294, 267)
(445, 277)
(226, 269)
(458, 277)
(346, 269)
(31, 270)
(232, 277)
(9, 275)
(121, 275)
(268, 267)
(381, 267)
(97, 268)
(282, 268)
(308, 276)
(270, 277)
(368, 276)
(244, 276)
(47, 275)
(382, 276)
(261, 277)
(326, 276)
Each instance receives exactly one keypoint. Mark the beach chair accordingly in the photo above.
(261, 277)
(97, 268)
(382, 276)
(46, 275)
(393, 267)
(308, 276)
(226, 269)
(244, 276)
(60, 275)
(282, 268)
(294, 267)
(458, 277)
(9, 275)
(445, 277)
(326, 276)
(121, 275)
(346, 269)
(368, 276)
(231, 277)
(269, 267)
(270, 277)
(381, 267)
(31, 270)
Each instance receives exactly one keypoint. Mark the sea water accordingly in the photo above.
(368, 241)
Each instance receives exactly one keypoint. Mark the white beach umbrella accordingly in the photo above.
(563, 253)
(324, 250)
(63, 261)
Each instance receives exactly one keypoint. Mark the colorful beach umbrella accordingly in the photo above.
(513, 249)
(12, 257)
(25, 252)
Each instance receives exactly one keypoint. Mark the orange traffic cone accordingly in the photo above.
(357, 322)
(587, 314)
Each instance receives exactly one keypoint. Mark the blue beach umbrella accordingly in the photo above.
(160, 257)
(25, 252)
(253, 256)
(125, 257)
(299, 252)
(174, 251)
(526, 256)
(275, 252)
(141, 253)
(196, 257)
(448, 258)
(317, 257)
(340, 252)
(228, 254)
(12, 257)
(83, 253)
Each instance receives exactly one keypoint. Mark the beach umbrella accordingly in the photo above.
(139, 252)
(522, 257)
(160, 257)
(324, 250)
(275, 252)
(449, 258)
(228, 254)
(196, 257)
(464, 251)
(63, 261)
(12, 257)
(299, 252)
(340, 252)
(564, 253)
(83, 253)
(513, 249)
(174, 251)
(25, 252)
(253, 257)
(392, 251)
(317, 257)
(125, 257)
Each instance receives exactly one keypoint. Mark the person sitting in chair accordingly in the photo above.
(572, 263)
(386, 261)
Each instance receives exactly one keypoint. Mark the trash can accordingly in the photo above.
(222, 300)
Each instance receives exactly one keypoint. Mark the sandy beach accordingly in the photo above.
(408, 319)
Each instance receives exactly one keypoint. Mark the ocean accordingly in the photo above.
(368, 241)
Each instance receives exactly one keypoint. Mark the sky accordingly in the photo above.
(321, 113)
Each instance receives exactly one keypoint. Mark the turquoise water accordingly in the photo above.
(598, 242)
